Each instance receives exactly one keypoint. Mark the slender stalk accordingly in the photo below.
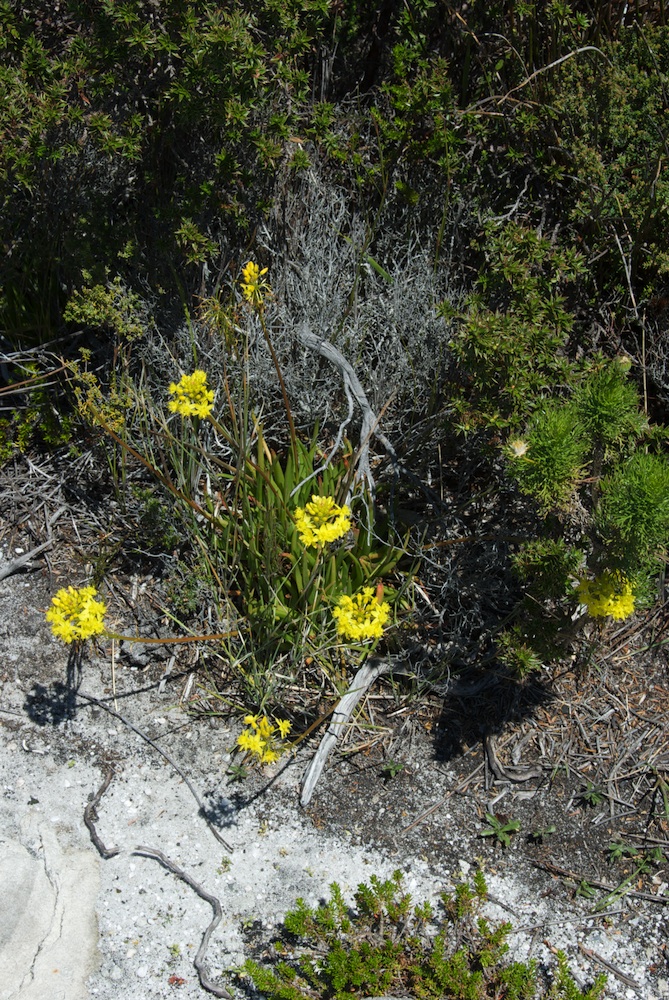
(284, 393)
(116, 637)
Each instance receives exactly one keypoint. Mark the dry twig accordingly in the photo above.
(168, 758)
(198, 961)
(91, 817)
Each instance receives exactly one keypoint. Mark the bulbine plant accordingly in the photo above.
(296, 558)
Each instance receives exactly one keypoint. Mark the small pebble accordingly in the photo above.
(142, 972)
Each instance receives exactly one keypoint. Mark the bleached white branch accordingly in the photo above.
(370, 421)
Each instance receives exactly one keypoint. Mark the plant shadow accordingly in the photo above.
(57, 703)
(484, 706)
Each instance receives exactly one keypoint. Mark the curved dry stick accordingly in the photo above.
(370, 421)
(214, 902)
(168, 758)
(17, 564)
(509, 772)
(91, 817)
(362, 681)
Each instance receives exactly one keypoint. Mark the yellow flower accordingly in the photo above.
(254, 288)
(608, 594)
(322, 521)
(75, 614)
(265, 728)
(192, 398)
(362, 616)
(252, 742)
(260, 739)
(284, 727)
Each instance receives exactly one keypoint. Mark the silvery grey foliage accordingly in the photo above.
(368, 287)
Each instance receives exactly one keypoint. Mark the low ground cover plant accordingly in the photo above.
(384, 944)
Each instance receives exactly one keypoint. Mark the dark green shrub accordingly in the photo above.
(545, 565)
(511, 338)
(129, 132)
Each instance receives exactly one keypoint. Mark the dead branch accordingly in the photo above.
(353, 386)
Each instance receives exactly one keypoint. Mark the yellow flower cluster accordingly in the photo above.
(608, 594)
(192, 398)
(254, 288)
(260, 739)
(322, 521)
(75, 614)
(362, 616)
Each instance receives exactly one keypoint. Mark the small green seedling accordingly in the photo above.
(618, 850)
(391, 768)
(592, 795)
(586, 890)
(538, 835)
(225, 865)
(237, 772)
(500, 828)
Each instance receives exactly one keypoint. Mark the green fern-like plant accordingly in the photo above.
(553, 463)
(607, 404)
(633, 516)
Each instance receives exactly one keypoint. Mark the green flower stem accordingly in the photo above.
(284, 393)
(220, 429)
(166, 642)
(315, 573)
(161, 477)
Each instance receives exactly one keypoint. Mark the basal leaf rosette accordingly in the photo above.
(322, 521)
(192, 397)
(75, 614)
(361, 617)
(609, 594)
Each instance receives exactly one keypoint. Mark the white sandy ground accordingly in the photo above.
(75, 926)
